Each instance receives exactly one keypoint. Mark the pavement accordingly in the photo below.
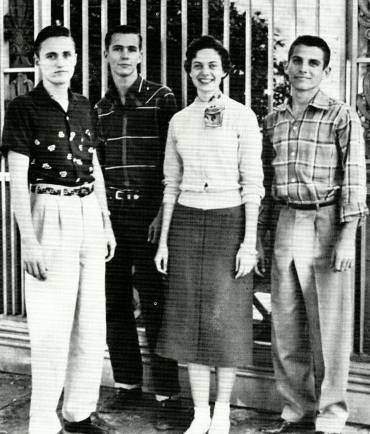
(15, 392)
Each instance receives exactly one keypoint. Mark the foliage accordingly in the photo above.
(174, 60)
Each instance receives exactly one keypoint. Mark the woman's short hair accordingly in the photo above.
(203, 42)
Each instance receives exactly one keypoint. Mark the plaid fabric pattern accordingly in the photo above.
(317, 157)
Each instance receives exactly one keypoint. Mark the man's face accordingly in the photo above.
(124, 54)
(57, 60)
(306, 68)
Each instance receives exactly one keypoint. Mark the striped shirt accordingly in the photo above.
(131, 137)
(317, 157)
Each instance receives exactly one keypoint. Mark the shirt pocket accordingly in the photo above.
(324, 164)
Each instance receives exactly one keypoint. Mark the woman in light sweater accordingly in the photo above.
(213, 187)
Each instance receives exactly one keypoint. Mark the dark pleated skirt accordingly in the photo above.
(208, 313)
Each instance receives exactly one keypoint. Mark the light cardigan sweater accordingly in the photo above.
(213, 167)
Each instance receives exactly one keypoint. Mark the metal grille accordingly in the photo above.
(12, 281)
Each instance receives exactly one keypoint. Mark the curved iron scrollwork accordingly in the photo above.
(363, 99)
(19, 32)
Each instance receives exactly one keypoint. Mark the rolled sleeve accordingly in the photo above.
(173, 168)
(353, 188)
(17, 133)
(250, 162)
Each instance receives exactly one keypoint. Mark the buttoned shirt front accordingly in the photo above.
(132, 136)
(318, 157)
(58, 143)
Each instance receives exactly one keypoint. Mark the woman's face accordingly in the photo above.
(206, 71)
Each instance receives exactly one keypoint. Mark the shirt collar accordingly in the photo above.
(320, 101)
(216, 99)
(43, 96)
(132, 96)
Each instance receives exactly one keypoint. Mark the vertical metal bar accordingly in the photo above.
(163, 18)
(36, 29)
(205, 17)
(270, 59)
(67, 13)
(354, 53)
(248, 53)
(226, 81)
(2, 168)
(295, 18)
(45, 16)
(360, 269)
(85, 48)
(13, 259)
(317, 12)
(184, 41)
(143, 31)
(123, 14)
(104, 29)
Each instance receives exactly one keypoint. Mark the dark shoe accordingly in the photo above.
(284, 426)
(122, 399)
(87, 426)
(168, 415)
(326, 432)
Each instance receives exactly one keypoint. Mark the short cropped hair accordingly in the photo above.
(124, 29)
(52, 31)
(311, 41)
(203, 42)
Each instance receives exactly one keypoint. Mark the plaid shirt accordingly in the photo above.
(316, 158)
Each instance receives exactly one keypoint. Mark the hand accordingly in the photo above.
(161, 258)
(111, 242)
(154, 229)
(246, 259)
(33, 259)
(343, 256)
(260, 267)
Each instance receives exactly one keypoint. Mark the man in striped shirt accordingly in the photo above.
(132, 122)
(315, 174)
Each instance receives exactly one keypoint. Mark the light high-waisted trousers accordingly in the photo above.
(66, 312)
(312, 310)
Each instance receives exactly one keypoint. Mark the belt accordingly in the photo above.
(125, 194)
(56, 190)
(308, 206)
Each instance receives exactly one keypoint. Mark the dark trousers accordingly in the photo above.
(130, 225)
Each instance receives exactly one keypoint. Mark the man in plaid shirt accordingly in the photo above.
(315, 173)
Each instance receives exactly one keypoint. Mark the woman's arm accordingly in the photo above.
(161, 258)
(173, 169)
(246, 257)
(251, 182)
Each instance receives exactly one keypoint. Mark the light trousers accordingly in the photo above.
(312, 310)
(66, 312)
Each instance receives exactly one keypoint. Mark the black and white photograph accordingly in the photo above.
(183, 216)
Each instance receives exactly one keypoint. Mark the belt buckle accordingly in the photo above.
(119, 195)
(84, 191)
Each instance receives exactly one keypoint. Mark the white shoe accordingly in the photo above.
(219, 427)
(199, 426)
(220, 423)
(201, 421)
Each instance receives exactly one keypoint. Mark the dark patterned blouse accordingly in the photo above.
(58, 143)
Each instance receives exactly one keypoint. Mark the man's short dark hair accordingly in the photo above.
(52, 31)
(203, 42)
(312, 41)
(124, 29)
